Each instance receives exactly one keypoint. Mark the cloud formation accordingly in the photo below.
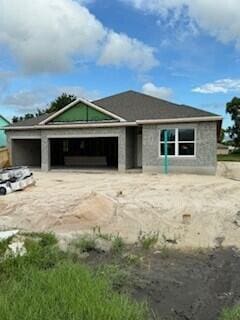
(220, 18)
(46, 35)
(155, 91)
(24, 101)
(117, 45)
(219, 86)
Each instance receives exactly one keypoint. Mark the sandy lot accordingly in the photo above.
(188, 210)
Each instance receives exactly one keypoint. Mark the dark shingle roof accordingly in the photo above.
(31, 121)
(133, 106)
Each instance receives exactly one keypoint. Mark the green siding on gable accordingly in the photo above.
(3, 138)
(82, 112)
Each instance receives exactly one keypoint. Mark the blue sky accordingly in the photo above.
(180, 50)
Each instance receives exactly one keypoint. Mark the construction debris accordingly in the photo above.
(14, 179)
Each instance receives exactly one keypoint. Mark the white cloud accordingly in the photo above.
(24, 101)
(139, 55)
(159, 92)
(219, 86)
(46, 35)
(220, 18)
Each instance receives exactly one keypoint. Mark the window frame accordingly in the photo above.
(177, 142)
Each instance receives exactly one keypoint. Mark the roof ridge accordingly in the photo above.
(113, 95)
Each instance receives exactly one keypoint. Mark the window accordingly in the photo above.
(181, 142)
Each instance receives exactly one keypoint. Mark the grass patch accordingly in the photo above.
(83, 243)
(116, 276)
(47, 284)
(231, 314)
(66, 292)
(234, 157)
(117, 244)
(148, 240)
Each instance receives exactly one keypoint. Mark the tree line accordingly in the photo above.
(57, 104)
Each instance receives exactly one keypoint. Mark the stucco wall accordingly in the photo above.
(205, 160)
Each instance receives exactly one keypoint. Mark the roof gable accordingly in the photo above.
(82, 110)
(82, 113)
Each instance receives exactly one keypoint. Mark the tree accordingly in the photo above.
(222, 135)
(61, 102)
(233, 108)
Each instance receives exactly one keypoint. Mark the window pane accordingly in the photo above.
(186, 135)
(171, 149)
(186, 149)
(171, 134)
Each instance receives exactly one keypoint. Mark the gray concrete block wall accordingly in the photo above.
(206, 144)
(131, 150)
(26, 152)
(46, 135)
(204, 162)
(17, 157)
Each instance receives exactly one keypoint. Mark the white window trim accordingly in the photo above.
(176, 142)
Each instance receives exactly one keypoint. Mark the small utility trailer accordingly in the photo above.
(14, 179)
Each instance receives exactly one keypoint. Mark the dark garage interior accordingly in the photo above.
(26, 152)
(84, 152)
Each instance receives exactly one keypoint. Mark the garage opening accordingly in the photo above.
(84, 152)
(26, 152)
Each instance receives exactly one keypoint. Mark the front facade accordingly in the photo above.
(3, 138)
(124, 131)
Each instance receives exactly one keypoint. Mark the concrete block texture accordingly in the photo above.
(205, 160)
(14, 136)
(129, 153)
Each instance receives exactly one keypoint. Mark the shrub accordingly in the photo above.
(66, 292)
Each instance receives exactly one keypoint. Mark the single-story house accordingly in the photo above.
(3, 139)
(123, 131)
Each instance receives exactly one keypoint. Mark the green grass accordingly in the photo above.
(234, 157)
(231, 314)
(83, 243)
(68, 291)
(47, 284)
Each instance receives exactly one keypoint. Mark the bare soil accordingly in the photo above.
(179, 285)
(187, 210)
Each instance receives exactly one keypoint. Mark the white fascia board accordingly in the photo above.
(179, 120)
(74, 126)
(88, 103)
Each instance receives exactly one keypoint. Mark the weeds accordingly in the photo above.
(148, 240)
(231, 314)
(117, 244)
(117, 277)
(46, 284)
(83, 243)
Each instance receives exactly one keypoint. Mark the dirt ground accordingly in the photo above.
(194, 285)
(187, 210)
